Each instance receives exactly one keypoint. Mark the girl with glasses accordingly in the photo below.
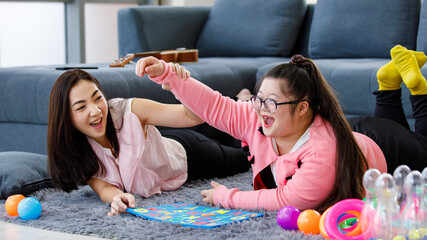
(303, 151)
(115, 147)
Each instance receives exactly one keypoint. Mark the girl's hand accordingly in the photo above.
(209, 194)
(150, 66)
(181, 72)
(121, 202)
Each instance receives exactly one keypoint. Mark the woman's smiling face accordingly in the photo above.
(89, 110)
(279, 123)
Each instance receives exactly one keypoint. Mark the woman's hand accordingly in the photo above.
(150, 66)
(121, 202)
(209, 194)
(181, 72)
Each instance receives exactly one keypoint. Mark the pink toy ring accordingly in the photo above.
(335, 211)
(353, 230)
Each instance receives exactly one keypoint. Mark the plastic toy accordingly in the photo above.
(29, 208)
(308, 222)
(348, 221)
(287, 217)
(11, 204)
(189, 215)
(334, 215)
(322, 224)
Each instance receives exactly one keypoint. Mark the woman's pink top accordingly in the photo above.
(148, 163)
(304, 178)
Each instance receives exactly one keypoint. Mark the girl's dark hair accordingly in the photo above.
(71, 159)
(302, 80)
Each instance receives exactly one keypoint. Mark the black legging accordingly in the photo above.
(206, 157)
(390, 129)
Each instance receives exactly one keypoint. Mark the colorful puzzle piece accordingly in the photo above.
(192, 215)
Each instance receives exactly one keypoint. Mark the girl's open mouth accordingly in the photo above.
(268, 121)
(96, 124)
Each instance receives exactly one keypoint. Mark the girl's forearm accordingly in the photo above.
(107, 193)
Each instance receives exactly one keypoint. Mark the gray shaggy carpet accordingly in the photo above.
(82, 212)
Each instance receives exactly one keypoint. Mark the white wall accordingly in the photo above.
(31, 34)
(101, 39)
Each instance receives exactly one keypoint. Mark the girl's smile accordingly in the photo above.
(277, 124)
(89, 110)
(97, 124)
(268, 121)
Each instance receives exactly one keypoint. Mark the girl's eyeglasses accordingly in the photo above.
(269, 104)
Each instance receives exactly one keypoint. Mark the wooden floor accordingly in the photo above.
(9, 231)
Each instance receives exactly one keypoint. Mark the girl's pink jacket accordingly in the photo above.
(310, 170)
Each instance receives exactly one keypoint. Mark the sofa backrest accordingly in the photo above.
(422, 29)
(358, 29)
(301, 44)
(157, 28)
(255, 28)
(142, 28)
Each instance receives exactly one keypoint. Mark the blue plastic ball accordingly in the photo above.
(29, 208)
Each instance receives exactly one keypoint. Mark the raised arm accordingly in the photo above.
(166, 115)
(159, 114)
(218, 111)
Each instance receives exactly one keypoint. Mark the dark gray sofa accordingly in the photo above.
(237, 44)
(352, 72)
(349, 59)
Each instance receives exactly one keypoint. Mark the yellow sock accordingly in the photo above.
(388, 76)
(407, 66)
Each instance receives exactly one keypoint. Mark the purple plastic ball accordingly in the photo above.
(287, 217)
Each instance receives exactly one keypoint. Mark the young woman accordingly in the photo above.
(389, 127)
(303, 151)
(114, 147)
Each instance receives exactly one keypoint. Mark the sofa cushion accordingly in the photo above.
(362, 28)
(22, 173)
(251, 28)
(422, 30)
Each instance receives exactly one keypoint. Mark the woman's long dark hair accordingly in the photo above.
(302, 80)
(71, 159)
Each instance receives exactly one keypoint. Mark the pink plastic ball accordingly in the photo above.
(287, 217)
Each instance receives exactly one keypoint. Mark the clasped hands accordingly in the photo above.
(153, 67)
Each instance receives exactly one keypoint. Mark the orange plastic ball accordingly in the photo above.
(11, 204)
(308, 222)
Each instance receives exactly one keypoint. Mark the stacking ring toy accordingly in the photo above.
(351, 230)
(322, 224)
(333, 215)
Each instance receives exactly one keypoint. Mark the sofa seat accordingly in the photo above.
(25, 92)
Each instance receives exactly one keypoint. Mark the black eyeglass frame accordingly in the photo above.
(276, 103)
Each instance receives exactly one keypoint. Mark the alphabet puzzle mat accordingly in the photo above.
(192, 215)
